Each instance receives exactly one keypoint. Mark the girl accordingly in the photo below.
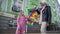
(20, 23)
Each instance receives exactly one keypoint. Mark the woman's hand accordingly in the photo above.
(40, 22)
(36, 20)
(47, 24)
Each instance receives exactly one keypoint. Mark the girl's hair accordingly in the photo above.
(21, 11)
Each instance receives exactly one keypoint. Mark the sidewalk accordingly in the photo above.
(39, 33)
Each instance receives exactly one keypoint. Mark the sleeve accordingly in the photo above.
(49, 14)
(26, 17)
(38, 10)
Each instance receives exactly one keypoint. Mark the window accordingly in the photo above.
(17, 3)
(12, 24)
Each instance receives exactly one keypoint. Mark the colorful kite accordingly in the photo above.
(32, 15)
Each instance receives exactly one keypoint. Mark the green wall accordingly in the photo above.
(9, 5)
(52, 10)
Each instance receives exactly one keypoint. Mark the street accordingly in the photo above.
(39, 33)
(30, 33)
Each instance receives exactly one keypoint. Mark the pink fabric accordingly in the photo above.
(20, 25)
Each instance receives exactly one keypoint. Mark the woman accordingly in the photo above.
(45, 16)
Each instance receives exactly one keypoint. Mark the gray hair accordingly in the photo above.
(43, 1)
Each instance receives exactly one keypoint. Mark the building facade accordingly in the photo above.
(6, 8)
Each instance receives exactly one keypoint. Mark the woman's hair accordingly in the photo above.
(43, 1)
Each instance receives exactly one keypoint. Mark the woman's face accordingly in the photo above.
(43, 4)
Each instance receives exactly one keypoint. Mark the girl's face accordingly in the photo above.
(21, 13)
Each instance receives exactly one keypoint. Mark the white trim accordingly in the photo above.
(1, 4)
(4, 5)
(11, 5)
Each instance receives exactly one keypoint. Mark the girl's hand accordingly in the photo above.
(27, 17)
